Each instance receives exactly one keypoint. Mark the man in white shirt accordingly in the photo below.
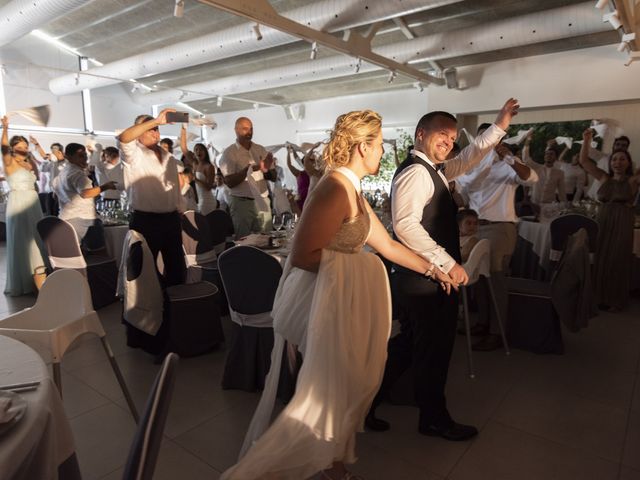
(491, 189)
(151, 179)
(575, 178)
(76, 195)
(50, 168)
(221, 192)
(110, 169)
(550, 186)
(246, 167)
(424, 219)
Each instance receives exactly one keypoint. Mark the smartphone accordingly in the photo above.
(178, 117)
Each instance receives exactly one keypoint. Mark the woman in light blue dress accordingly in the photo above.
(23, 213)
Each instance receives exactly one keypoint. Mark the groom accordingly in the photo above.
(424, 219)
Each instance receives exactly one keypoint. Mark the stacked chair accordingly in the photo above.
(64, 251)
(183, 319)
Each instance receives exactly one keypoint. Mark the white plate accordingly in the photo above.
(17, 409)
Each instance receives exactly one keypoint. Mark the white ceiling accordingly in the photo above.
(111, 30)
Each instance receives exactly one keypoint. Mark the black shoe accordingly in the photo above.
(375, 424)
(456, 432)
(487, 344)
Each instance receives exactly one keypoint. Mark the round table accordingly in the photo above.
(40, 445)
(114, 236)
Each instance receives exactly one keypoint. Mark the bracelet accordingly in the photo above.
(430, 271)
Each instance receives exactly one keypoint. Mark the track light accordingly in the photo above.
(219, 101)
(613, 19)
(314, 50)
(256, 30)
(178, 10)
(358, 65)
(419, 86)
(392, 76)
(601, 4)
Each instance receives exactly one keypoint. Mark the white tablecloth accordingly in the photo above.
(114, 239)
(538, 234)
(42, 440)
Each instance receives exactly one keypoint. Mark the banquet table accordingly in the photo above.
(531, 257)
(40, 444)
(114, 236)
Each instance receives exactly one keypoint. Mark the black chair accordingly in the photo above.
(143, 454)
(221, 230)
(250, 278)
(184, 319)
(64, 251)
(536, 308)
(563, 227)
(200, 256)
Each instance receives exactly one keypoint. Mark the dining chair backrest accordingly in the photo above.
(143, 454)
(479, 262)
(196, 235)
(61, 242)
(250, 277)
(563, 227)
(220, 227)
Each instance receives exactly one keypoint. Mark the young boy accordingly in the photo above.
(468, 226)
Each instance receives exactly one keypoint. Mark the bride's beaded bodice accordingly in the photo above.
(353, 233)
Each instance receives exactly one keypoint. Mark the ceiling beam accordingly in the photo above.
(404, 28)
(355, 45)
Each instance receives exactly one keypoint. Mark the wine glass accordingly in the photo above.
(277, 222)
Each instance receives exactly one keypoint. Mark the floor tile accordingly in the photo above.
(566, 419)
(102, 437)
(504, 453)
(631, 456)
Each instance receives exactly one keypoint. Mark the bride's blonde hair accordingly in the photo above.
(350, 129)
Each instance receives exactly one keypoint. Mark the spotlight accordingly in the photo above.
(419, 86)
(613, 19)
(392, 76)
(358, 65)
(219, 101)
(451, 77)
(256, 30)
(178, 10)
(314, 50)
(601, 4)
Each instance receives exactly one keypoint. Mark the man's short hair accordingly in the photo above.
(624, 138)
(483, 126)
(424, 122)
(111, 152)
(464, 213)
(58, 146)
(72, 149)
(187, 170)
(168, 141)
(142, 118)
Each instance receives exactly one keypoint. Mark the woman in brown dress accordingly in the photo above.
(612, 273)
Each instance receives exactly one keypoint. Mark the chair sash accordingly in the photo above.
(260, 320)
(68, 262)
(195, 259)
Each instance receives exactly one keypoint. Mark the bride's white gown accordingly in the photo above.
(340, 318)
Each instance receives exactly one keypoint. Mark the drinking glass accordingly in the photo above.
(277, 222)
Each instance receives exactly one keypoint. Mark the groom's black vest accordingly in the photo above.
(439, 215)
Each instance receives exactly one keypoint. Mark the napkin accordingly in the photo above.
(518, 137)
(38, 115)
(255, 240)
(6, 415)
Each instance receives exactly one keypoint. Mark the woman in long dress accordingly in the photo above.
(614, 252)
(333, 302)
(23, 213)
(204, 174)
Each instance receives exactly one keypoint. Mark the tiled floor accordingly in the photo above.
(575, 416)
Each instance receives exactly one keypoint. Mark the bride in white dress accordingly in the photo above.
(333, 302)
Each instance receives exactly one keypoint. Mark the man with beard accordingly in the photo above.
(246, 167)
